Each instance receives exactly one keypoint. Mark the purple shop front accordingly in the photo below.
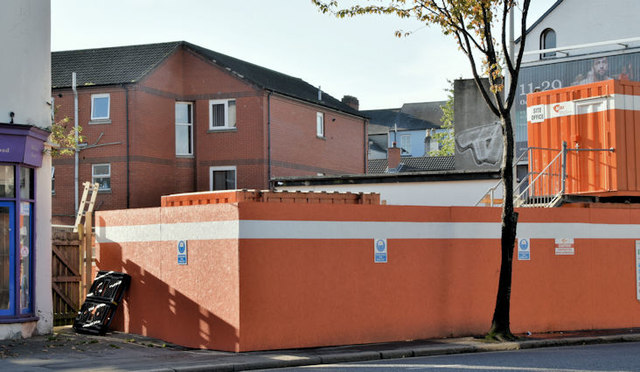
(21, 153)
(22, 144)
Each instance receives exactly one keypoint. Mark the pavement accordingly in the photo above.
(66, 350)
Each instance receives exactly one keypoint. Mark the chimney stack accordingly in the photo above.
(393, 157)
(352, 102)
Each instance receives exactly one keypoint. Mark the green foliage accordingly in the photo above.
(446, 139)
(64, 138)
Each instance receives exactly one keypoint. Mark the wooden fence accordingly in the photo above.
(71, 271)
(66, 272)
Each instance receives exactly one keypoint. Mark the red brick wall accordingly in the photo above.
(200, 82)
(296, 150)
(154, 168)
(112, 133)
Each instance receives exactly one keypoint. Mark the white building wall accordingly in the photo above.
(442, 193)
(25, 89)
(26, 61)
(579, 22)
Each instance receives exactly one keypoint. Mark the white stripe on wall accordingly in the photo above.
(211, 230)
(257, 229)
(613, 102)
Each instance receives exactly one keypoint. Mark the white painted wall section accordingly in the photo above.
(25, 66)
(441, 193)
(579, 22)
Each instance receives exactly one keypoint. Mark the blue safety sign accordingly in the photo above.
(524, 249)
(182, 252)
(638, 269)
(380, 251)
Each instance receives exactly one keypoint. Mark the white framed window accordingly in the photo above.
(548, 41)
(222, 114)
(53, 179)
(405, 144)
(101, 174)
(222, 178)
(320, 124)
(184, 128)
(100, 106)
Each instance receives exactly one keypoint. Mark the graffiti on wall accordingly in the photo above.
(483, 143)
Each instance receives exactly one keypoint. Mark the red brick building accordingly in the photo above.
(174, 117)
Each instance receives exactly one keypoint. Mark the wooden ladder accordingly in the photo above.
(84, 230)
(83, 203)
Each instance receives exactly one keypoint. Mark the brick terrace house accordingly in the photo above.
(175, 117)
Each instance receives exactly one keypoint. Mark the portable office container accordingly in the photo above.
(600, 124)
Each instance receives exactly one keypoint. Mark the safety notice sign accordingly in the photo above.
(380, 250)
(524, 249)
(182, 252)
(565, 247)
(638, 269)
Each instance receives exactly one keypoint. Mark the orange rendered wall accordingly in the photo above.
(266, 290)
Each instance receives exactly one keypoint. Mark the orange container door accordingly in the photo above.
(590, 171)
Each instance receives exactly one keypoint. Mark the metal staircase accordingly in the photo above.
(543, 189)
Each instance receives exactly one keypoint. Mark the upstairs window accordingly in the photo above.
(320, 124)
(405, 144)
(100, 104)
(101, 174)
(548, 41)
(184, 128)
(222, 114)
(222, 178)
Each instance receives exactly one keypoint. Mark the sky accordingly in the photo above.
(358, 56)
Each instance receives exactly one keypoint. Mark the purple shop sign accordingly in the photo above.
(21, 144)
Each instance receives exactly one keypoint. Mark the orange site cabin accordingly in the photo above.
(600, 121)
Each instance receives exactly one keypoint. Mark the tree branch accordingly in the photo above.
(477, 78)
(523, 33)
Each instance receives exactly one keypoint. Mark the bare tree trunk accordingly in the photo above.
(500, 327)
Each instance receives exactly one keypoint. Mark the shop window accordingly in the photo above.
(6, 258)
(222, 178)
(25, 257)
(7, 181)
(101, 174)
(16, 241)
(26, 183)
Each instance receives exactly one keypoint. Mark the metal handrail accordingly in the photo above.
(552, 194)
(491, 192)
(518, 199)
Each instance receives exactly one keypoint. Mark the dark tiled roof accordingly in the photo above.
(375, 146)
(391, 117)
(107, 66)
(129, 64)
(429, 111)
(378, 129)
(417, 164)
